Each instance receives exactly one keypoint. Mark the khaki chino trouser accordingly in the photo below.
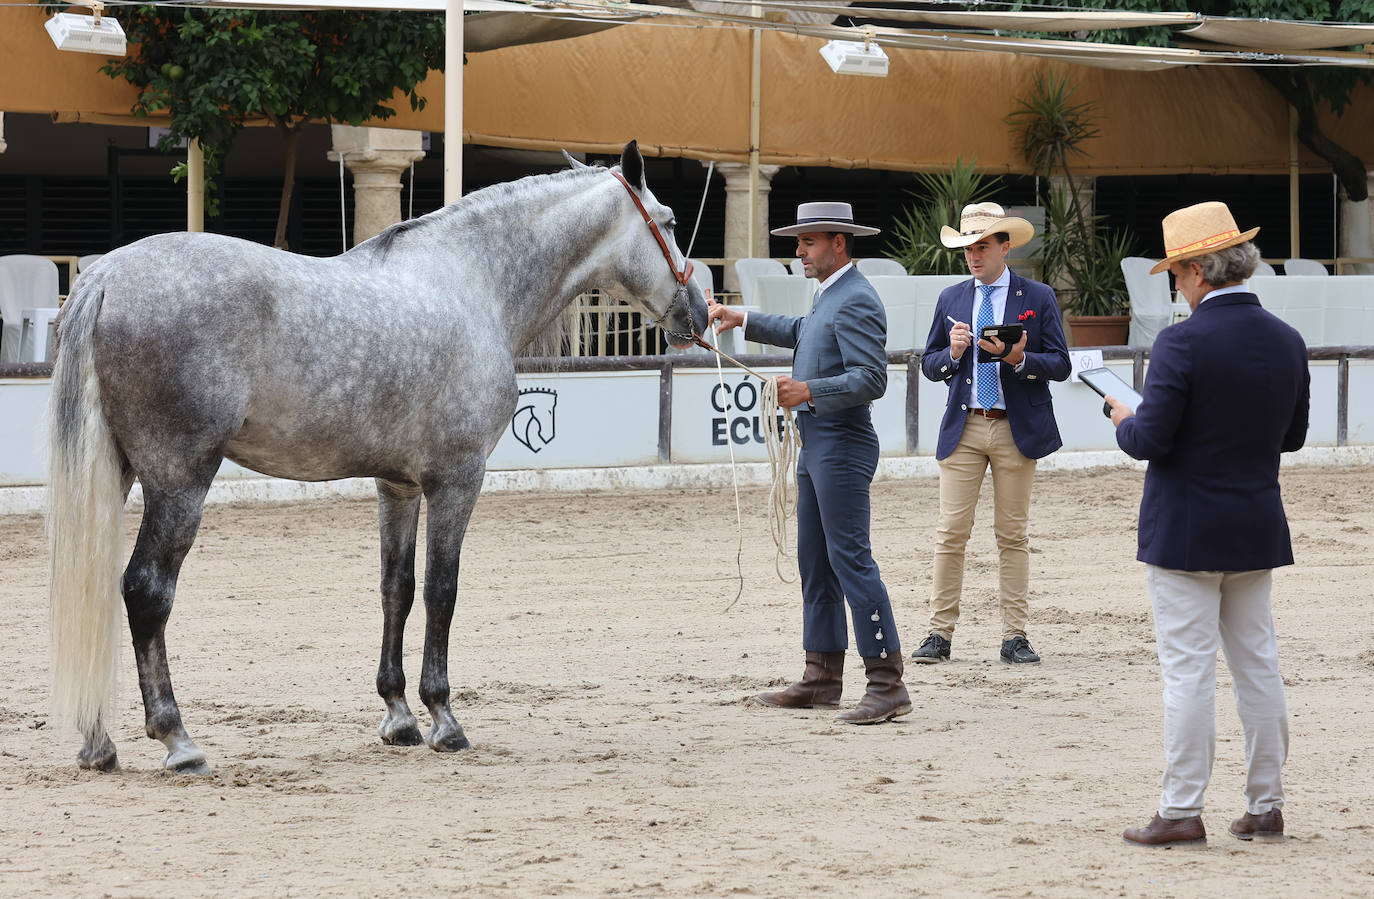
(986, 443)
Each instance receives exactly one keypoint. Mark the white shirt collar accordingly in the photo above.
(835, 276)
(1222, 291)
(1003, 280)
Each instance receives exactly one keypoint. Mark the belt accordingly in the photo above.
(989, 413)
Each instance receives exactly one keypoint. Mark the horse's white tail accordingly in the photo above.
(85, 525)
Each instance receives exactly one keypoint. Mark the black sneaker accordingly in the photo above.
(1017, 651)
(934, 649)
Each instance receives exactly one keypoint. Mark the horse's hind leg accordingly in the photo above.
(170, 521)
(450, 507)
(399, 514)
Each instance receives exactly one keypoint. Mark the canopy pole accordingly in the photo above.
(1294, 241)
(453, 100)
(195, 186)
(755, 82)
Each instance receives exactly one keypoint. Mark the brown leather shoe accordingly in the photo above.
(886, 696)
(819, 687)
(1268, 826)
(1166, 832)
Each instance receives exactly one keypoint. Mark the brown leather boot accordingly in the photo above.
(1165, 832)
(1268, 826)
(886, 696)
(819, 687)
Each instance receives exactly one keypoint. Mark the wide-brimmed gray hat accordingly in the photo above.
(824, 217)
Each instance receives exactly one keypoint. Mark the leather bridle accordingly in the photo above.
(682, 275)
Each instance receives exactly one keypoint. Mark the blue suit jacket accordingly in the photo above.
(1225, 394)
(840, 344)
(1027, 392)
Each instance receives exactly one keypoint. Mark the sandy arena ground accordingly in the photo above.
(605, 688)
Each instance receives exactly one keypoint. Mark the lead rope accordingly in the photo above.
(784, 443)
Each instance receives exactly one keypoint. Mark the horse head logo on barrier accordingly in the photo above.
(533, 421)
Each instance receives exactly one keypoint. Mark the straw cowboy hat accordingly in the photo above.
(979, 219)
(812, 217)
(1198, 230)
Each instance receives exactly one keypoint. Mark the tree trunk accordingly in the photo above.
(1296, 89)
(291, 134)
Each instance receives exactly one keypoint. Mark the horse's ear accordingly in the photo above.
(573, 162)
(632, 165)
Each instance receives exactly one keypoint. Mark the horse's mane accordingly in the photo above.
(553, 340)
(474, 205)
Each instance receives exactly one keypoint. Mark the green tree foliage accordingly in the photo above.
(214, 71)
(1305, 88)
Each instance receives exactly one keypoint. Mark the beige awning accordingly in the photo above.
(1275, 34)
(681, 86)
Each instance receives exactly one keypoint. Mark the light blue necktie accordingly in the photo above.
(987, 371)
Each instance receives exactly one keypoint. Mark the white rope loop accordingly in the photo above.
(783, 446)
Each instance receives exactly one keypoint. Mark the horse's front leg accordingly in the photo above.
(399, 514)
(450, 507)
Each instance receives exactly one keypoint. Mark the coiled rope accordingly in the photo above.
(783, 440)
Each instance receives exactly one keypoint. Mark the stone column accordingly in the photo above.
(377, 157)
(736, 176)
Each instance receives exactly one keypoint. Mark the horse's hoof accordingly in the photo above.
(405, 736)
(452, 740)
(103, 759)
(190, 769)
(190, 761)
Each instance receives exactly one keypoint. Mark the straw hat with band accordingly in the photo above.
(813, 217)
(1198, 230)
(981, 219)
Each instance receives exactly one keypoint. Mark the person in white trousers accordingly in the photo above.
(1225, 394)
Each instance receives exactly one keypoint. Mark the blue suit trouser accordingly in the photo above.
(834, 555)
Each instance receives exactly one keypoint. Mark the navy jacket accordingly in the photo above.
(1026, 393)
(1226, 392)
(840, 344)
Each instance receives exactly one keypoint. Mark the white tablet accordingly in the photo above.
(1106, 383)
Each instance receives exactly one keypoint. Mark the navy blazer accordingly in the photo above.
(1027, 392)
(1226, 392)
(840, 344)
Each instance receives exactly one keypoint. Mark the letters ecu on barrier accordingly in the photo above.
(643, 410)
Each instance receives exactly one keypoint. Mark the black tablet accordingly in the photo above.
(1106, 383)
(1008, 334)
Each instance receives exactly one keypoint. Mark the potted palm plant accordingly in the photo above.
(939, 197)
(1080, 257)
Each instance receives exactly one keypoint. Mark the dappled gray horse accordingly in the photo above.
(394, 360)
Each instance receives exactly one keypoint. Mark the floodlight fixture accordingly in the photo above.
(95, 33)
(856, 58)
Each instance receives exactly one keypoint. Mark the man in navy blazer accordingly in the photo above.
(1225, 394)
(998, 415)
(839, 367)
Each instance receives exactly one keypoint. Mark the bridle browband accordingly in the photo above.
(682, 275)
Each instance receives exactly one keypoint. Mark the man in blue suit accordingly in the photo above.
(839, 367)
(1225, 394)
(998, 415)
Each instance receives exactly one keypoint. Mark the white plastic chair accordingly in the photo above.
(31, 284)
(85, 262)
(879, 266)
(704, 278)
(1265, 270)
(1151, 305)
(798, 267)
(1303, 267)
(749, 270)
(12, 315)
